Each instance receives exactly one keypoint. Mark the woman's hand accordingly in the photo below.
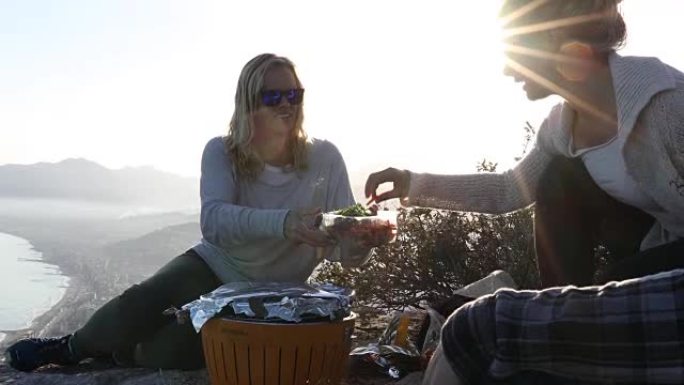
(401, 182)
(301, 226)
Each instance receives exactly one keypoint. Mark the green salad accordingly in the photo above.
(357, 210)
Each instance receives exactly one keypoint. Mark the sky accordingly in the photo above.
(409, 84)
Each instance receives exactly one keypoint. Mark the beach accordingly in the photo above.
(33, 286)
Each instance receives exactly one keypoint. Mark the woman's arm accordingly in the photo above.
(224, 223)
(486, 192)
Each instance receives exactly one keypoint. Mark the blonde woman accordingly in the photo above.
(261, 188)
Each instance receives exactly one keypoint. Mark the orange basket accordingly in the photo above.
(259, 353)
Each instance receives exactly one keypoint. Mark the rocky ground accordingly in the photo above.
(99, 373)
(103, 376)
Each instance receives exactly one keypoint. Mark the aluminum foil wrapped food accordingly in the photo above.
(357, 230)
(270, 302)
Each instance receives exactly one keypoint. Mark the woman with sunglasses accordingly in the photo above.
(608, 164)
(607, 167)
(261, 188)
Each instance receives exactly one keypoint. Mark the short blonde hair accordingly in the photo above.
(246, 162)
(606, 32)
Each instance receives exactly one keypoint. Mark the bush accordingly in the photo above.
(436, 253)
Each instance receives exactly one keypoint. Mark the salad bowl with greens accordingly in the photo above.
(357, 229)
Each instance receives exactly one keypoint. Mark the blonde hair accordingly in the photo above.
(246, 162)
(605, 31)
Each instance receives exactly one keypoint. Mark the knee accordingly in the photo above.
(470, 320)
(141, 298)
(133, 296)
(469, 337)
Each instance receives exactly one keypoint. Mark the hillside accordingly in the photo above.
(142, 256)
(84, 180)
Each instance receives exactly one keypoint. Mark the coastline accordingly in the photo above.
(40, 323)
(98, 258)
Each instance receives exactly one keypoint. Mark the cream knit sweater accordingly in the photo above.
(650, 104)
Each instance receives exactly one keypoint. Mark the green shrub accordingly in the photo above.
(436, 253)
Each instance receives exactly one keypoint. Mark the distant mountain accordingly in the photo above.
(84, 180)
(144, 255)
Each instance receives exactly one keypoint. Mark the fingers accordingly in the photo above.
(303, 228)
(398, 178)
(373, 208)
(314, 238)
(394, 193)
(377, 178)
(311, 217)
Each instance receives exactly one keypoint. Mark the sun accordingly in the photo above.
(481, 31)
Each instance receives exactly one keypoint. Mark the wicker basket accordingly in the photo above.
(254, 353)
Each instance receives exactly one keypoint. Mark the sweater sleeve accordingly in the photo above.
(490, 193)
(223, 223)
(670, 105)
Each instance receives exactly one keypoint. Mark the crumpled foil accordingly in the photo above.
(270, 302)
(392, 360)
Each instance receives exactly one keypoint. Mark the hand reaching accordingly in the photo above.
(401, 182)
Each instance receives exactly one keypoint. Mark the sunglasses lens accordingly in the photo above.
(271, 98)
(295, 96)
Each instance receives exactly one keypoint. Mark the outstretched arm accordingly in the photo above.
(485, 192)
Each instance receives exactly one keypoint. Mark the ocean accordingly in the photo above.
(28, 286)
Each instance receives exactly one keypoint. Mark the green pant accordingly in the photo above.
(132, 328)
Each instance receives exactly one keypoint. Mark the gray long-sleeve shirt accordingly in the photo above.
(242, 221)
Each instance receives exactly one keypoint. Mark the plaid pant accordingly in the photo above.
(627, 332)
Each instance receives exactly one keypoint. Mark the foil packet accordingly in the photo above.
(269, 302)
(394, 354)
